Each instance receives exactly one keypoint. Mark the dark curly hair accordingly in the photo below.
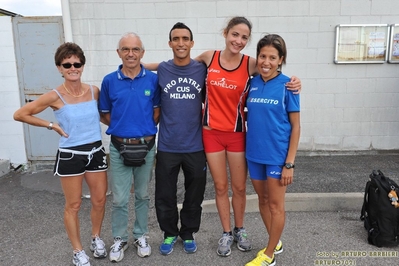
(67, 50)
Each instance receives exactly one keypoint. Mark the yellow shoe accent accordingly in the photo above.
(279, 249)
(262, 251)
(262, 260)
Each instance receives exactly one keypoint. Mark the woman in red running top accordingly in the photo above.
(229, 72)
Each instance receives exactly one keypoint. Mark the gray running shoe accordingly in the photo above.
(225, 243)
(241, 237)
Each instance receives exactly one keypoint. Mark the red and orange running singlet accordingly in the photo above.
(226, 92)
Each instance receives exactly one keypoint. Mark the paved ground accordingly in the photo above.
(32, 231)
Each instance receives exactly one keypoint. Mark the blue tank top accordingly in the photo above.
(81, 121)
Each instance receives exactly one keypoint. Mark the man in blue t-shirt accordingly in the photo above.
(130, 105)
(182, 80)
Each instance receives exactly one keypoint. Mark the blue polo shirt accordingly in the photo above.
(269, 128)
(130, 102)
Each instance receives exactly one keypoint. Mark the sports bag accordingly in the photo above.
(381, 218)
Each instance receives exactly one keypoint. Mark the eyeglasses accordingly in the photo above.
(69, 65)
(134, 50)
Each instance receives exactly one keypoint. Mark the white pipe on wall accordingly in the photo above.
(66, 18)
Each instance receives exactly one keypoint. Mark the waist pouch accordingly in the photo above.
(133, 154)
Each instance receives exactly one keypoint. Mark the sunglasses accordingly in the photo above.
(69, 65)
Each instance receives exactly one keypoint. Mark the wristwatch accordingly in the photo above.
(289, 165)
(50, 126)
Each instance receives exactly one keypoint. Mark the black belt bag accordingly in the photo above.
(133, 154)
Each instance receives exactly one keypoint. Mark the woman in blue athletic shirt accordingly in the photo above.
(272, 140)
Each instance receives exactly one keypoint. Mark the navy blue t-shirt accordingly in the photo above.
(180, 128)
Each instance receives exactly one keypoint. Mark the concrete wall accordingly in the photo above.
(12, 143)
(344, 107)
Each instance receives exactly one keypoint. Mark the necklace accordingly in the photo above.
(70, 93)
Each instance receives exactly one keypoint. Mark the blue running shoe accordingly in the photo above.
(167, 245)
(189, 246)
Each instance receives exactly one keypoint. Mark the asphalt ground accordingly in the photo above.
(32, 230)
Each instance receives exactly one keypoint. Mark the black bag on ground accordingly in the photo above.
(381, 218)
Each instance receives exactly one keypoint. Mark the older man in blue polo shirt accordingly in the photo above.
(130, 105)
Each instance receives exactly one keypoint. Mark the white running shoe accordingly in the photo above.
(116, 252)
(98, 248)
(143, 248)
(80, 258)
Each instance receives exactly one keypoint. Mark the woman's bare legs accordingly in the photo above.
(238, 175)
(260, 187)
(98, 185)
(271, 196)
(72, 187)
(217, 167)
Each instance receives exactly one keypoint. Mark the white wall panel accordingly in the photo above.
(12, 144)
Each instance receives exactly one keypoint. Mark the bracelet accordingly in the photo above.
(50, 126)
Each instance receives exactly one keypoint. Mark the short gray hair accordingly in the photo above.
(130, 34)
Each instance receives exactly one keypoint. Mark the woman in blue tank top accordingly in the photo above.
(80, 154)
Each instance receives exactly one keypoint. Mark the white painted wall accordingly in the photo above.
(344, 107)
(12, 143)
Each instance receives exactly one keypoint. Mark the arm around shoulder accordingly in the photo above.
(253, 71)
(151, 66)
(294, 85)
(205, 57)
